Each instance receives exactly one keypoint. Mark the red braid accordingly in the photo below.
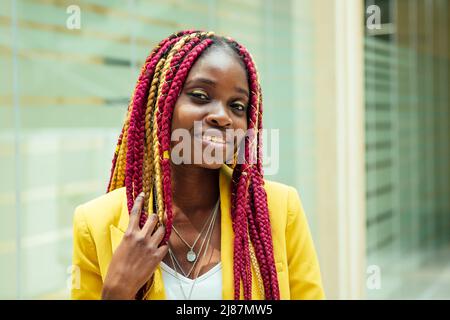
(259, 193)
(240, 235)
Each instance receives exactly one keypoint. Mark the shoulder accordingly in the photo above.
(99, 213)
(282, 194)
(283, 202)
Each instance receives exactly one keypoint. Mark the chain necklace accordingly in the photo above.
(187, 275)
(191, 255)
(174, 259)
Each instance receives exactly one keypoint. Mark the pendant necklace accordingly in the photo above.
(191, 255)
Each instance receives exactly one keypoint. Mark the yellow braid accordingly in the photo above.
(149, 124)
(114, 176)
(119, 170)
(255, 265)
(157, 170)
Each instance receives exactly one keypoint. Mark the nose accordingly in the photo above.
(218, 116)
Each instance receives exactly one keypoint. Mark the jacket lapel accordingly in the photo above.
(226, 241)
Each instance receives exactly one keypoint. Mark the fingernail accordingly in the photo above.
(141, 194)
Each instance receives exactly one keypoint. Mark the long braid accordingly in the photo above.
(119, 161)
(176, 86)
(133, 179)
(238, 256)
(134, 135)
(164, 130)
(260, 197)
(119, 180)
(148, 167)
(113, 173)
(242, 174)
(257, 250)
(155, 141)
(161, 205)
(141, 160)
(134, 160)
(153, 160)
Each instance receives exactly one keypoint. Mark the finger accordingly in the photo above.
(136, 211)
(149, 225)
(158, 235)
(162, 251)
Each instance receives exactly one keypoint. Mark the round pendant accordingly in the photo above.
(191, 256)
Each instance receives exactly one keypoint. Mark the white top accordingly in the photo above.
(207, 287)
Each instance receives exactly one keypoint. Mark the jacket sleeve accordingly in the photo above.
(304, 273)
(86, 279)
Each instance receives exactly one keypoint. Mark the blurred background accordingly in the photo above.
(358, 89)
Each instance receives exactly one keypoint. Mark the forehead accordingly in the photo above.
(220, 64)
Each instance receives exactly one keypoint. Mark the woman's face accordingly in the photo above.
(213, 101)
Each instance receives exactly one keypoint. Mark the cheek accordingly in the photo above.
(184, 116)
(176, 118)
(241, 123)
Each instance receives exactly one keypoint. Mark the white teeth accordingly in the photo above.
(214, 139)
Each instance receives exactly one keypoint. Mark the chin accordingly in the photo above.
(214, 163)
(212, 166)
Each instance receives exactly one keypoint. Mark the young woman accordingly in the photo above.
(203, 227)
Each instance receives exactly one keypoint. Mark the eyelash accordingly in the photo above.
(204, 98)
(199, 96)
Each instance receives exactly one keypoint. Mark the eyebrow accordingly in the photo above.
(213, 84)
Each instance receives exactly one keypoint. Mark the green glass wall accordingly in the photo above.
(407, 149)
(63, 97)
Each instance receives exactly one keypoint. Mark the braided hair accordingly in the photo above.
(141, 159)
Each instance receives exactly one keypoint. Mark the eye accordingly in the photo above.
(239, 107)
(198, 94)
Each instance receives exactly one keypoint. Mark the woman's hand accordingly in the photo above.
(136, 258)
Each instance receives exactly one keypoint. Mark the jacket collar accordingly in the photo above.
(157, 288)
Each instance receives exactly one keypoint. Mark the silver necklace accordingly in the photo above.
(211, 222)
(191, 255)
(173, 258)
(187, 275)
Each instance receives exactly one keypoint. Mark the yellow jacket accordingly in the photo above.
(99, 226)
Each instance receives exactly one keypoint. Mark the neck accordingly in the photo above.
(194, 189)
